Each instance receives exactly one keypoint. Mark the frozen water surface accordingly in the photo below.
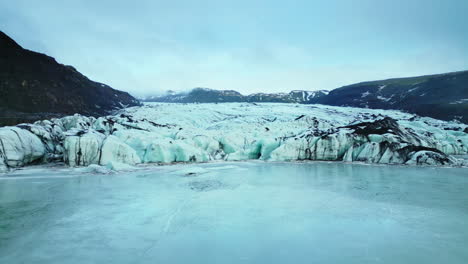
(249, 212)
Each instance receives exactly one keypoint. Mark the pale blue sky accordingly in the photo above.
(246, 45)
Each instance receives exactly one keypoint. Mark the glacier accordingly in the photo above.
(166, 133)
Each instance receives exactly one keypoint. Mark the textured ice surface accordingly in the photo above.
(166, 133)
(251, 212)
(19, 147)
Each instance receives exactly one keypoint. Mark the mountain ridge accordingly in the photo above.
(35, 86)
(441, 96)
(207, 95)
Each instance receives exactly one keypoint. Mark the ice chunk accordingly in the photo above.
(114, 150)
(159, 152)
(19, 147)
(83, 149)
(118, 166)
(430, 158)
(3, 166)
(184, 152)
(93, 168)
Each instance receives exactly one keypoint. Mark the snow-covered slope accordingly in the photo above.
(164, 133)
(301, 96)
(206, 95)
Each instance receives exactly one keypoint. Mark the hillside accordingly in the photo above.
(441, 96)
(35, 86)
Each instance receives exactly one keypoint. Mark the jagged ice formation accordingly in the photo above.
(166, 133)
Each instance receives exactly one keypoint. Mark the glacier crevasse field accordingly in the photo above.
(167, 133)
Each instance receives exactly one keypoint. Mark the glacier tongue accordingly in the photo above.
(166, 133)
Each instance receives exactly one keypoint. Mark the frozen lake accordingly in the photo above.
(249, 212)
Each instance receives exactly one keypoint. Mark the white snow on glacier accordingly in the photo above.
(166, 133)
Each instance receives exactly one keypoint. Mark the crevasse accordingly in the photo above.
(166, 133)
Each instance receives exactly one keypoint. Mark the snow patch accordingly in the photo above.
(365, 94)
(381, 98)
(382, 87)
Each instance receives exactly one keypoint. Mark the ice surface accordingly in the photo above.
(167, 133)
(19, 147)
(114, 150)
(84, 149)
(253, 212)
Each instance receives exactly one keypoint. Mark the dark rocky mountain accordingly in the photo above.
(441, 96)
(205, 95)
(198, 95)
(34, 86)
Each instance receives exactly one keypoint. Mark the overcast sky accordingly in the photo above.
(146, 47)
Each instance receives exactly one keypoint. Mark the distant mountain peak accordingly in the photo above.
(208, 95)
